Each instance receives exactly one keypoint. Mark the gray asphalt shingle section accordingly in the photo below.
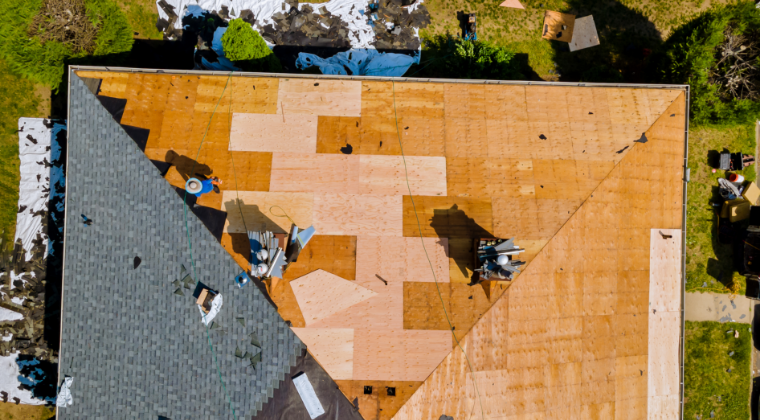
(134, 347)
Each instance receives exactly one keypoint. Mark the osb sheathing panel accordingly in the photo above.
(256, 133)
(258, 208)
(287, 305)
(586, 291)
(332, 347)
(334, 254)
(378, 405)
(321, 294)
(338, 98)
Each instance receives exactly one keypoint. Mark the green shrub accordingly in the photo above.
(690, 56)
(447, 57)
(45, 62)
(247, 48)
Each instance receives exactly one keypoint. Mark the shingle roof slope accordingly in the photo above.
(134, 347)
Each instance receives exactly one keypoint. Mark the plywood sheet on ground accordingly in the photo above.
(266, 208)
(664, 317)
(338, 98)
(584, 34)
(321, 294)
(273, 133)
(558, 26)
(331, 253)
(578, 316)
(332, 347)
(358, 214)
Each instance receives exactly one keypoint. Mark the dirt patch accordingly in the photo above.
(65, 21)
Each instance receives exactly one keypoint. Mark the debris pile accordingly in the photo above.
(396, 23)
(496, 260)
(65, 21)
(305, 27)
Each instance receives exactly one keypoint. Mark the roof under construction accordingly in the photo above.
(399, 178)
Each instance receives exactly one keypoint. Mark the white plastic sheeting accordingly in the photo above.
(361, 34)
(64, 395)
(352, 12)
(11, 379)
(36, 152)
(216, 305)
(360, 62)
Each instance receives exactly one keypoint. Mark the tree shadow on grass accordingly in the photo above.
(627, 39)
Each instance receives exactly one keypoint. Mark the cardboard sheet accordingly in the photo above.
(584, 34)
(558, 26)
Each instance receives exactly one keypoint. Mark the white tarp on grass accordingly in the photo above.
(353, 12)
(40, 181)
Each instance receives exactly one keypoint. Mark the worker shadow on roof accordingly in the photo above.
(250, 217)
(461, 229)
(187, 167)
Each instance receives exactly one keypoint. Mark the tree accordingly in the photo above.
(247, 48)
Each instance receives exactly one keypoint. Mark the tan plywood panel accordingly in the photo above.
(357, 214)
(287, 305)
(420, 100)
(257, 210)
(427, 259)
(664, 317)
(378, 405)
(389, 175)
(254, 95)
(112, 84)
(273, 133)
(336, 133)
(214, 93)
(332, 347)
(665, 270)
(421, 136)
(465, 137)
(321, 294)
(448, 217)
(594, 315)
(334, 254)
(398, 355)
(381, 312)
(309, 172)
(151, 120)
(338, 98)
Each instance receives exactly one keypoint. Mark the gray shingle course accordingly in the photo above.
(134, 347)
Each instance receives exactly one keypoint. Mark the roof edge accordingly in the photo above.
(377, 78)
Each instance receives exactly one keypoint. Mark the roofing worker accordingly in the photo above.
(198, 188)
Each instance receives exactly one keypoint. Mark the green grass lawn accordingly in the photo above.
(641, 23)
(17, 99)
(706, 377)
(142, 15)
(707, 261)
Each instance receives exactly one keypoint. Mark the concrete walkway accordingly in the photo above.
(718, 307)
